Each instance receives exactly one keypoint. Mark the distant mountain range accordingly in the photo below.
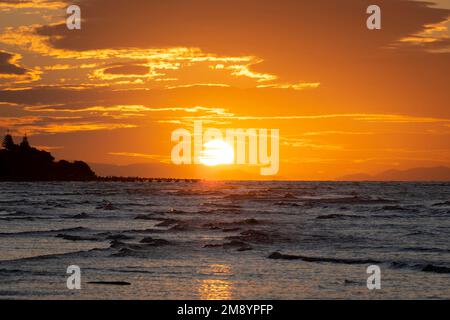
(414, 174)
(161, 170)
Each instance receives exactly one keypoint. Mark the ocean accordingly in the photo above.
(224, 240)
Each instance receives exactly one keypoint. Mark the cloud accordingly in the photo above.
(251, 24)
(433, 38)
(392, 118)
(11, 70)
(45, 4)
(221, 85)
(9, 66)
(297, 86)
(295, 49)
(33, 125)
(160, 158)
(244, 71)
(127, 69)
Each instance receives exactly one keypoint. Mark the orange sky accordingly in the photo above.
(346, 99)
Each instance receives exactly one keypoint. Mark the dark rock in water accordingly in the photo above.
(117, 244)
(289, 196)
(111, 283)
(82, 215)
(106, 206)
(254, 236)
(435, 269)
(277, 255)
(351, 282)
(234, 244)
(144, 217)
(147, 240)
(118, 237)
(218, 245)
(155, 242)
(245, 248)
(125, 252)
(249, 221)
(230, 229)
(75, 238)
(330, 216)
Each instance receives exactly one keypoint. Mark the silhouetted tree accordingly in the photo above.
(25, 144)
(8, 142)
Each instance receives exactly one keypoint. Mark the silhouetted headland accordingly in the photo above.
(22, 162)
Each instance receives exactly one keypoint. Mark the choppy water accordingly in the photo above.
(209, 240)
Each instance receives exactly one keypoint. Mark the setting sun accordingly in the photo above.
(216, 152)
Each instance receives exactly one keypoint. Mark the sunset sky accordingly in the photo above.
(345, 99)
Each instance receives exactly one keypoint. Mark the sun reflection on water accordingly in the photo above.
(216, 289)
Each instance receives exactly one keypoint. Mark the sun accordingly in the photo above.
(216, 152)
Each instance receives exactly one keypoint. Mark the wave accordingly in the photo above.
(278, 256)
(424, 267)
(221, 211)
(71, 237)
(422, 249)
(12, 271)
(221, 205)
(55, 255)
(338, 216)
(21, 218)
(227, 225)
(436, 269)
(351, 261)
(136, 249)
(420, 233)
(439, 204)
(111, 283)
(347, 200)
(234, 244)
(287, 204)
(197, 193)
(40, 232)
(256, 236)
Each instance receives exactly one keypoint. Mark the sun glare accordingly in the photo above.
(216, 152)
